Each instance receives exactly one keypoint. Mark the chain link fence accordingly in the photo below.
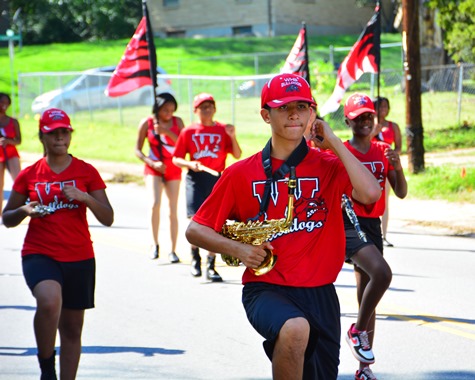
(448, 95)
(261, 62)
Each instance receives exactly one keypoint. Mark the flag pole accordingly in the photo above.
(378, 56)
(152, 57)
(304, 26)
(152, 54)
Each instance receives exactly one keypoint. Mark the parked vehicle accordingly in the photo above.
(87, 92)
(252, 88)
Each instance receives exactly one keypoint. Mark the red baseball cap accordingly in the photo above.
(201, 98)
(286, 88)
(358, 104)
(54, 118)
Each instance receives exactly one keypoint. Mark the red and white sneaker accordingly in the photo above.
(359, 345)
(365, 374)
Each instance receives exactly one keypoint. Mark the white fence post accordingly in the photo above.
(460, 90)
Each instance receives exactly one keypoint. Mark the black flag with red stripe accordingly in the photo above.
(138, 65)
(297, 60)
(364, 57)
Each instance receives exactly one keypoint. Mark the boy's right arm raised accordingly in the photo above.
(366, 188)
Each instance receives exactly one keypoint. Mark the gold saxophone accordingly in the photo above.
(257, 232)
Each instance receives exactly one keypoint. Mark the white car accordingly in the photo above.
(87, 92)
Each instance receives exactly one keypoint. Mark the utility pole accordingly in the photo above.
(412, 74)
(269, 18)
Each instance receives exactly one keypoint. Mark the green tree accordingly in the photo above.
(48, 21)
(457, 19)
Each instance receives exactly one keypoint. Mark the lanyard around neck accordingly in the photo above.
(294, 159)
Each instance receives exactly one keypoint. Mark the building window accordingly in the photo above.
(365, 3)
(176, 34)
(305, 1)
(243, 1)
(171, 3)
(242, 30)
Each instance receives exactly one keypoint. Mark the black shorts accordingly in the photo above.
(371, 227)
(77, 279)
(269, 306)
(198, 187)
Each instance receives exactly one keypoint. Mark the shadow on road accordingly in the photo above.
(145, 351)
(18, 307)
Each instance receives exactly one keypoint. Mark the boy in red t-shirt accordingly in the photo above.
(294, 306)
(207, 143)
(373, 274)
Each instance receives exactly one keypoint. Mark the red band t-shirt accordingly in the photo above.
(63, 235)
(206, 144)
(312, 252)
(163, 150)
(9, 151)
(378, 164)
(388, 133)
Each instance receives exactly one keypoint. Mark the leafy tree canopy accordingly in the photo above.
(457, 18)
(48, 21)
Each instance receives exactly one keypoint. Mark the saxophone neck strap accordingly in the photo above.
(294, 159)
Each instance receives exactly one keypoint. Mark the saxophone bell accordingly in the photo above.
(267, 265)
(254, 233)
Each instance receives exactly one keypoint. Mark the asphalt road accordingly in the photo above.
(154, 321)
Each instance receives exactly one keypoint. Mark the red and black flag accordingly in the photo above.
(138, 65)
(364, 57)
(297, 60)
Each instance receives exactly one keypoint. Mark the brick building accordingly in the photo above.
(219, 18)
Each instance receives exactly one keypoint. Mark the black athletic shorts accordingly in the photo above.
(370, 226)
(198, 187)
(269, 306)
(77, 279)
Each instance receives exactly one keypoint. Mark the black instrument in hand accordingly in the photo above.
(353, 218)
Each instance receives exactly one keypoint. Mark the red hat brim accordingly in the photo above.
(354, 114)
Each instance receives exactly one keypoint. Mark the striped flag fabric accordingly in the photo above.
(364, 57)
(138, 65)
(297, 60)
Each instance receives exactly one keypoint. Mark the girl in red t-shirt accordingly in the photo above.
(389, 132)
(372, 272)
(10, 137)
(57, 256)
(161, 131)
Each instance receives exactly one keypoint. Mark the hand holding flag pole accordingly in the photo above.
(152, 58)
